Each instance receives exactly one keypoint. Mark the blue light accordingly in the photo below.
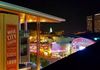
(95, 38)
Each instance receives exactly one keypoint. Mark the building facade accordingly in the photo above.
(93, 23)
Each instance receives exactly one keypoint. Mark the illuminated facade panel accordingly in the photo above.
(89, 23)
(95, 25)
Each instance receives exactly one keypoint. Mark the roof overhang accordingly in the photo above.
(31, 14)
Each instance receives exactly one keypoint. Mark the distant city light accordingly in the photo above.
(46, 53)
(95, 38)
(30, 37)
(51, 30)
(81, 48)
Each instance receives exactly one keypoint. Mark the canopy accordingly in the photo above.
(31, 14)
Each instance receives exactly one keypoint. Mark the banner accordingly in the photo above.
(11, 47)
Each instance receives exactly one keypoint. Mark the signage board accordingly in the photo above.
(11, 47)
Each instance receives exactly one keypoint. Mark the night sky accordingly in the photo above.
(74, 11)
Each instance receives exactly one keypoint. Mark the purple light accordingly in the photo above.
(55, 46)
(81, 43)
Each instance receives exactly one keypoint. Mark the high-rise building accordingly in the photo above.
(97, 22)
(93, 23)
(89, 23)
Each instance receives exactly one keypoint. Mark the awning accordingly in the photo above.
(31, 14)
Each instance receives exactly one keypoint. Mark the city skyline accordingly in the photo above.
(74, 12)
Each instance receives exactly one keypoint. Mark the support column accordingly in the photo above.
(38, 44)
(27, 36)
(19, 24)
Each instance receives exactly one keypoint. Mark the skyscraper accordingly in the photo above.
(93, 23)
(89, 23)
